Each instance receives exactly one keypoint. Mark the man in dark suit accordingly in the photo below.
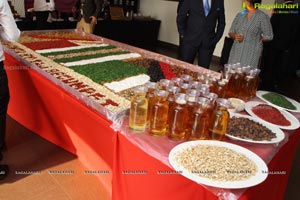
(180, 39)
(89, 13)
(201, 25)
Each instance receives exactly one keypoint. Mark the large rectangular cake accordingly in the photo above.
(97, 71)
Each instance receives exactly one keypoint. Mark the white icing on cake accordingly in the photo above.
(69, 48)
(118, 86)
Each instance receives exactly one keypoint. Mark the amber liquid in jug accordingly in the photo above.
(177, 118)
(151, 87)
(139, 110)
(191, 98)
(198, 123)
(158, 115)
(219, 120)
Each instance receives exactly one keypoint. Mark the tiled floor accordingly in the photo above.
(27, 151)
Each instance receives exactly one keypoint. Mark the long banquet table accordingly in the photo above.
(135, 166)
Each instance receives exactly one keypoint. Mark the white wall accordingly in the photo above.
(19, 7)
(166, 12)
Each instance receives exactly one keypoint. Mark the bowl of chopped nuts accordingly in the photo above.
(237, 105)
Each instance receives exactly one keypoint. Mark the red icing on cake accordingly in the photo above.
(49, 44)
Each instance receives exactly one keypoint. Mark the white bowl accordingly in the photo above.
(237, 105)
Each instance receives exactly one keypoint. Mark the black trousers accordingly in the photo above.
(41, 20)
(274, 67)
(188, 54)
(4, 99)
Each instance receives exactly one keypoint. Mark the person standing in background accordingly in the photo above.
(200, 25)
(281, 56)
(10, 32)
(42, 9)
(249, 29)
(179, 5)
(90, 10)
(180, 39)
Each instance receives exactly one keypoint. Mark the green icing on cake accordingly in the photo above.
(109, 71)
(86, 57)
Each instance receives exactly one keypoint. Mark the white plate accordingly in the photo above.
(260, 94)
(259, 177)
(278, 132)
(288, 116)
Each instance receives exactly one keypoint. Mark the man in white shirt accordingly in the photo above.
(42, 9)
(9, 32)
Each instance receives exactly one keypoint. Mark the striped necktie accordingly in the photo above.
(206, 7)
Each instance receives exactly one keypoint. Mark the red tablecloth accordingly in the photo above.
(49, 111)
(155, 182)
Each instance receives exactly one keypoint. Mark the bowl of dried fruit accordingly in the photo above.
(237, 105)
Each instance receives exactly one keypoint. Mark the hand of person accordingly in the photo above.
(239, 37)
(94, 20)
